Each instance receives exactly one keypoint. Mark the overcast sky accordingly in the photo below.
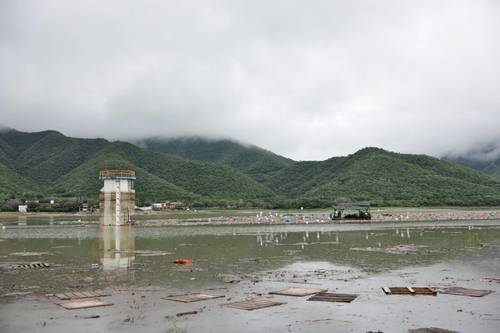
(306, 79)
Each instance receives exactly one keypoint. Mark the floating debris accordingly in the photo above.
(88, 303)
(254, 304)
(184, 262)
(194, 297)
(465, 292)
(409, 291)
(299, 292)
(333, 297)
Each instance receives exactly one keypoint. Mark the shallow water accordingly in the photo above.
(96, 257)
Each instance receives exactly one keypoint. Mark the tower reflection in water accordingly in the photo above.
(117, 248)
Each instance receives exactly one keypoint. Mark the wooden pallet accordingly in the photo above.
(298, 292)
(189, 298)
(333, 297)
(83, 304)
(80, 295)
(33, 265)
(409, 291)
(465, 292)
(254, 304)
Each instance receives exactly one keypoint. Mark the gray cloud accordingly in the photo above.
(307, 79)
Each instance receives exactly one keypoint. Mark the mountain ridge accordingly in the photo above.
(50, 164)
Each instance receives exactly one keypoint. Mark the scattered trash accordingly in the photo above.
(180, 314)
(184, 262)
(333, 297)
(297, 292)
(194, 297)
(33, 265)
(409, 291)
(465, 292)
(430, 330)
(254, 304)
(92, 317)
(84, 304)
(80, 295)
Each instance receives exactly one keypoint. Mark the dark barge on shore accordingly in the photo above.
(351, 211)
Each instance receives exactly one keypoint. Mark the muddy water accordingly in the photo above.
(135, 266)
(97, 257)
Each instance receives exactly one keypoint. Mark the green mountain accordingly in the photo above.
(386, 178)
(200, 172)
(51, 164)
(252, 160)
(165, 176)
(484, 158)
(491, 168)
(12, 185)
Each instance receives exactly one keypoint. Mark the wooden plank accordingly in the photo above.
(298, 292)
(193, 297)
(89, 294)
(83, 304)
(62, 296)
(333, 297)
(430, 330)
(254, 304)
(466, 292)
(79, 294)
(425, 291)
(409, 291)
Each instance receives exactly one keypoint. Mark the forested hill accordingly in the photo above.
(48, 164)
(386, 178)
(250, 159)
(491, 167)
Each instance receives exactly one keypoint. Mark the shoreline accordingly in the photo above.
(379, 216)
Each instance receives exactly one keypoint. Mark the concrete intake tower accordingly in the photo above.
(117, 197)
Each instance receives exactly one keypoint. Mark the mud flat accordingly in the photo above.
(243, 262)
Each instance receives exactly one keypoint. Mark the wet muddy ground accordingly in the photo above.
(134, 264)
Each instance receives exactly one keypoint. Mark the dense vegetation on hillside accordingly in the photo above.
(491, 168)
(44, 165)
(484, 158)
(252, 160)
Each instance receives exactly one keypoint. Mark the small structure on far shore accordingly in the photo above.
(117, 197)
(351, 211)
(22, 208)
